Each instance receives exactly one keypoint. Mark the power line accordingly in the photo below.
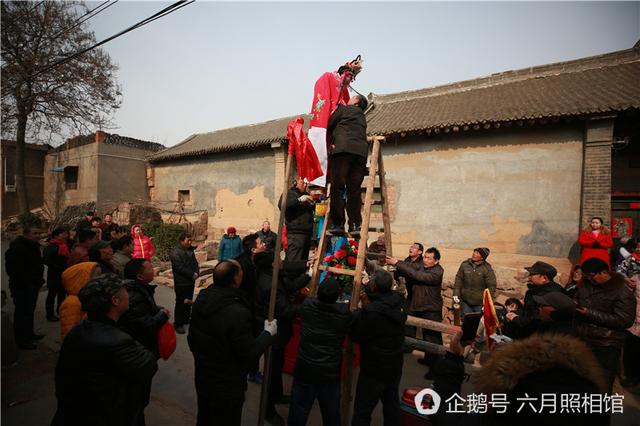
(90, 14)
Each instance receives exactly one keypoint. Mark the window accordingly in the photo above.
(184, 196)
(9, 176)
(71, 177)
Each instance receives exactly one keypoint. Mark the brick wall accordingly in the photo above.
(596, 178)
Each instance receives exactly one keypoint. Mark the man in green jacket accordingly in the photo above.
(474, 275)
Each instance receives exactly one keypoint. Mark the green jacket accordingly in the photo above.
(472, 279)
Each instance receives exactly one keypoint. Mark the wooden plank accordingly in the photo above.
(264, 393)
(322, 245)
(432, 325)
(421, 345)
(337, 270)
(386, 217)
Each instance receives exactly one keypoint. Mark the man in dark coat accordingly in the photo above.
(185, 271)
(223, 346)
(473, 277)
(102, 253)
(414, 260)
(24, 265)
(348, 162)
(541, 282)
(323, 328)
(606, 308)
(101, 368)
(298, 215)
(144, 317)
(85, 223)
(55, 256)
(267, 236)
(426, 300)
(379, 328)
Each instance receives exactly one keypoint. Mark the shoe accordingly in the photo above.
(36, 336)
(180, 329)
(275, 420)
(27, 345)
(255, 378)
(354, 230)
(52, 318)
(283, 399)
(336, 230)
(628, 382)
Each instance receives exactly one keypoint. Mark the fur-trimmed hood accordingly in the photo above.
(509, 364)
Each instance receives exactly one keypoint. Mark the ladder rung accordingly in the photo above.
(372, 229)
(337, 270)
(376, 202)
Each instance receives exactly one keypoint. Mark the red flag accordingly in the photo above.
(306, 157)
(491, 322)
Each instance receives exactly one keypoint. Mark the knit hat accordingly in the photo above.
(484, 252)
(231, 229)
(329, 290)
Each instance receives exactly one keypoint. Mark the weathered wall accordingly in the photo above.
(236, 188)
(33, 169)
(515, 191)
(121, 177)
(86, 158)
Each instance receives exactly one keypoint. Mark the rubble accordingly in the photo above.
(71, 215)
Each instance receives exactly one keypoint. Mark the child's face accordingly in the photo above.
(511, 307)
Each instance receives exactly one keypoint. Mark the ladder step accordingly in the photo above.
(372, 229)
(337, 270)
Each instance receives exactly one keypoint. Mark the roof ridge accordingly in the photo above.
(249, 125)
(580, 65)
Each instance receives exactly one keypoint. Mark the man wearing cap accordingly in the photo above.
(540, 283)
(474, 275)
(298, 217)
(606, 309)
(101, 368)
(102, 252)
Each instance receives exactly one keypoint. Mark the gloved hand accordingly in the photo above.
(305, 199)
(271, 327)
(456, 299)
(195, 275)
(596, 244)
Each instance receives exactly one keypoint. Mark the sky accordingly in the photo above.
(214, 65)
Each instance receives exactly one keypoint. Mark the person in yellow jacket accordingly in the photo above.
(73, 279)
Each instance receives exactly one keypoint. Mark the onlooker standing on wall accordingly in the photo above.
(379, 328)
(85, 223)
(101, 368)
(96, 226)
(142, 245)
(230, 245)
(606, 309)
(56, 256)
(185, 271)
(123, 248)
(595, 240)
(109, 227)
(267, 236)
(24, 265)
(474, 275)
(298, 218)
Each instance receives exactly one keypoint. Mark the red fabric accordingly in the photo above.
(291, 352)
(63, 248)
(285, 241)
(588, 238)
(327, 97)
(166, 340)
(142, 246)
(491, 322)
(300, 145)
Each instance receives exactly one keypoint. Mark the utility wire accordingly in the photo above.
(90, 14)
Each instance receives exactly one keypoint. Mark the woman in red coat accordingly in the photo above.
(595, 240)
(142, 245)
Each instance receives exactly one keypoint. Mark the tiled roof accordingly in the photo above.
(236, 138)
(111, 139)
(599, 84)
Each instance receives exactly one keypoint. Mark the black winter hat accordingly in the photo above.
(484, 252)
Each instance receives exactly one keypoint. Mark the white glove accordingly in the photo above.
(195, 275)
(271, 327)
(456, 299)
(306, 199)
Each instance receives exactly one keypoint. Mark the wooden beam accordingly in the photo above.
(421, 345)
(337, 270)
(432, 325)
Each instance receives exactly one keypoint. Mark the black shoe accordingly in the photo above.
(36, 336)
(628, 382)
(52, 318)
(283, 399)
(180, 329)
(27, 345)
(336, 230)
(354, 230)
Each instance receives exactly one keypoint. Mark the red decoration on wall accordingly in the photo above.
(622, 227)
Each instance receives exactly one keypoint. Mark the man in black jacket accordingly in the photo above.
(379, 328)
(298, 215)
(144, 317)
(101, 368)
(348, 162)
(24, 265)
(541, 282)
(324, 326)
(185, 271)
(426, 300)
(223, 346)
(267, 236)
(606, 308)
(55, 256)
(102, 253)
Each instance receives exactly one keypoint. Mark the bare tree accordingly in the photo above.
(41, 95)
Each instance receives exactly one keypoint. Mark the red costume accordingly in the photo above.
(595, 245)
